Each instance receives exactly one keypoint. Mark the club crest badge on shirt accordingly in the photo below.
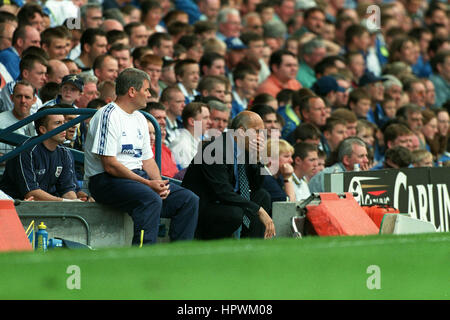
(58, 171)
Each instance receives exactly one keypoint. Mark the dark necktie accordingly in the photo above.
(243, 182)
(244, 189)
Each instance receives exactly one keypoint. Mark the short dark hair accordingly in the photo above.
(399, 155)
(130, 26)
(98, 62)
(298, 96)
(241, 73)
(44, 120)
(189, 40)
(172, 16)
(332, 122)
(350, 55)
(27, 62)
(305, 103)
(208, 59)
(276, 58)
(178, 27)
(37, 51)
(208, 83)
(89, 36)
(48, 92)
(204, 26)
(154, 106)
(305, 131)
(323, 65)
(139, 52)
(167, 93)
(355, 30)
(417, 32)
(248, 37)
(147, 6)
(262, 110)
(348, 115)
(395, 130)
(262, 98)
(8, 16)
(96, 103)
(302, 149)
(119, 47)
(310, 11)
(397, 45)
(114, 35)
(358, 94)
(155, 39)
(22, 83)
(408, 84)
(439, 58)
(49, 34)
(179, 66)
(284, 96)
(431, 9)
(191, 110)
(19, 33)
(435, 44)
(27, 12)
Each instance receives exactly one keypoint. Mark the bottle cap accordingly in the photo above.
(42, 226)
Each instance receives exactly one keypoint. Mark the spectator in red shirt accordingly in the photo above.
(168, 165)
(283, 67)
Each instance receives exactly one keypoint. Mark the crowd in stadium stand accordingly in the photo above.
(339, 85)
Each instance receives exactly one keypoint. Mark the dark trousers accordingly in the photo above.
(218, 220)
(146, 207)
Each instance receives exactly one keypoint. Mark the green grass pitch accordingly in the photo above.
(372, 267)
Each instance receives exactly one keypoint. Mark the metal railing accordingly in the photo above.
(8, 136)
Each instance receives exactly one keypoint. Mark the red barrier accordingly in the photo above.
(12, 233)
(339, 216)
(376, 213)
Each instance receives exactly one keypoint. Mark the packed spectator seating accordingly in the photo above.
(334, 84)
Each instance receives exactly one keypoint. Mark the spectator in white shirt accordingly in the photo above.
(33, 69)
(23, 98)
(196, 122)
(173, 100)
(187, 73)
(305, 162)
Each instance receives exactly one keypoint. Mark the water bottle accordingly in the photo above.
(41, 238)
(356, 167)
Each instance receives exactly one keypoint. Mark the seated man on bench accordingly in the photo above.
(45, 171)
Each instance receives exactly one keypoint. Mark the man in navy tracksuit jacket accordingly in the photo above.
(44, 172)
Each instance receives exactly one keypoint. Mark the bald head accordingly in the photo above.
(56, 71)
(248, 127)
(247, 120)
(111, 24)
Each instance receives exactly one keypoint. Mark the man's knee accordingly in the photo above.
(219, 221)
(192, 198)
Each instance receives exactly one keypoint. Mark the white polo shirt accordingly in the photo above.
(114, 132)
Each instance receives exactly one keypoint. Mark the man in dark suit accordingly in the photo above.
(226, 174)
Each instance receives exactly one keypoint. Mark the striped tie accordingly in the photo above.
(244, 189)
